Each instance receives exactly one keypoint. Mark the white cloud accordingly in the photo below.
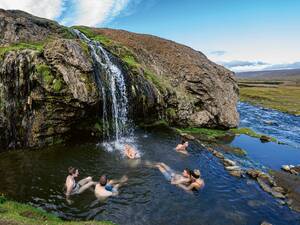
(44, 8)
(71, 12)
(93, 12)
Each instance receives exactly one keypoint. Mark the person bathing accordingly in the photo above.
(188, 180)
(130, 152)
(182, 147)
(196, 182)
(73, 187)
(106, 188)
(171, 175)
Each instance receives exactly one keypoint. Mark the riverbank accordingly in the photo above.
(14, 213)
(275, 95)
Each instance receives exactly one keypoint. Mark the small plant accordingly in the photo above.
(57, 85)
(2, 198)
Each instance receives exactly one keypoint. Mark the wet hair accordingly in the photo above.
(188, 171)
(71, 170)
(103, 180)
(183, 141)
(195, 175)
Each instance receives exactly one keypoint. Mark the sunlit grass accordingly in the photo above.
(282, 98)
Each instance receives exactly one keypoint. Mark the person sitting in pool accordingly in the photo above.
(182, 147)
(130, 152)
(106, 188)
(72, 187)
(196, 184)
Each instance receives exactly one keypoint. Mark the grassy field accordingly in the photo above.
(13, 213)
(277, 89)
(283, 98)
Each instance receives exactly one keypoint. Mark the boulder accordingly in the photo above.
(206, 93)
(228, 162)
(264, 138)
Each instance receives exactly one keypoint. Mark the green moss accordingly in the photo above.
(171, 113)
(85, 48)
(210, 133)
(131, 61)
(249, 132)
(246, 131)
(98, 127)
(17, 213)
(66, 33)
(39, 46)
(57, 85)
(45, 72)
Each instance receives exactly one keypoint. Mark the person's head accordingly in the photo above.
(196, 174)
(186, 172)
(73, 171)
(185, 143)
(103, 180)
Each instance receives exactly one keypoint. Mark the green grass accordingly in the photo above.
(209, 133)
(131, 61)
(21, 46)
(17, 213)
(249, 132)
(282, 98)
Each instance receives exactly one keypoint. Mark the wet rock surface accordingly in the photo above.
(291, 184)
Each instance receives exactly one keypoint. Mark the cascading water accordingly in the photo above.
(111, 83)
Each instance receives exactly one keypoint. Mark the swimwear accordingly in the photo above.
(169, 174)
(109, 187)
(75, 187)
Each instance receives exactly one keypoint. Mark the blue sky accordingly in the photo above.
(240, 34)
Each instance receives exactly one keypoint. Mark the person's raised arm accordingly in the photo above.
(69, 186)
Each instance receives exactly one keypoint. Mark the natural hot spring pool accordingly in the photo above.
(37, 177)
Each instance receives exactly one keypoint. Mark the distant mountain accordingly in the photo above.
(292, 74)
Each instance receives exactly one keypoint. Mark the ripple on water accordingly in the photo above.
(285, 127)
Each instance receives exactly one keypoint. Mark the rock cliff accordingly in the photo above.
(48, 89)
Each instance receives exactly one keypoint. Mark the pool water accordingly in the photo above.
(37, 177)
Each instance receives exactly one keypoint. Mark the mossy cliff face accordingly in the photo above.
(47, 87)
(48, 90)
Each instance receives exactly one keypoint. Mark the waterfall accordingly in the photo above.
(111, 84)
